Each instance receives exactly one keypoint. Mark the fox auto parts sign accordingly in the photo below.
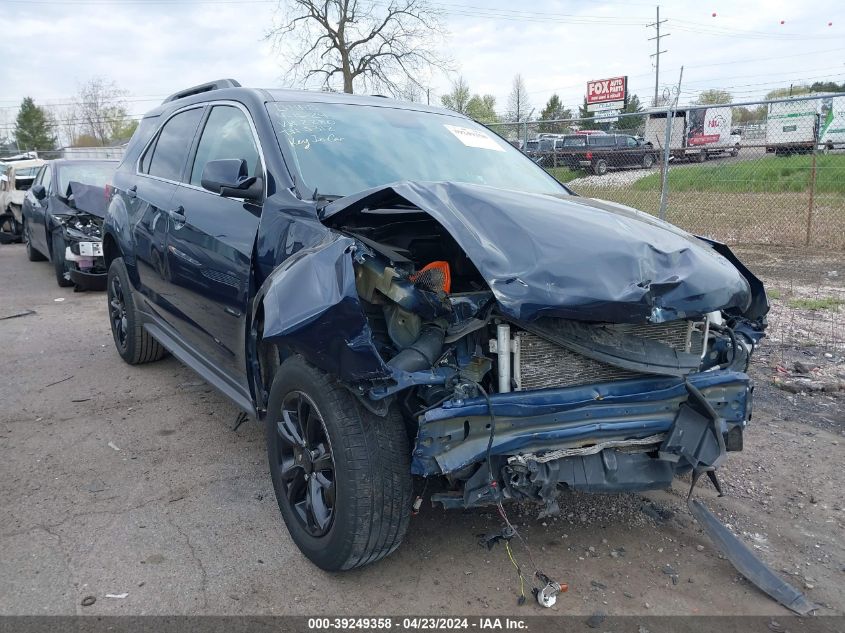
(607, 91)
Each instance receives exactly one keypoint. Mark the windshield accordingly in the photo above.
(340, 149)
(94, 174)
(27, 172)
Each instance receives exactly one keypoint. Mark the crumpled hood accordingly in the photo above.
(569, 257)
(89, 198)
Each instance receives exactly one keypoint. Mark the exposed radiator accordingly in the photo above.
(543, 364)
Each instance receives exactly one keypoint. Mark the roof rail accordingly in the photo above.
(219, 84)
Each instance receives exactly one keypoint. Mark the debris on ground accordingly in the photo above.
(114, 446)
(119, 596)
(17, 315)
(87, 601)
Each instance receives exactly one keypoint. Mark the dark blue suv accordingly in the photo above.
(397, 293)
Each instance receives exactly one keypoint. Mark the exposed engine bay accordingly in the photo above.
(504, 407)
(82, 233)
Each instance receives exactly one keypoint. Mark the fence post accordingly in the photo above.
(810, 206)
(664, 176)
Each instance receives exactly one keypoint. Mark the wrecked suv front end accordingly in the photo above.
(533, 343)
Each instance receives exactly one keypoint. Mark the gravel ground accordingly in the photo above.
(120, 479)
(613, 178)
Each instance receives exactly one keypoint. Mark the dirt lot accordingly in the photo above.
(120, 479)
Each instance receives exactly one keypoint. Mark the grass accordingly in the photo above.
(772, 174)
(564, 174)
(773, 293)
(823, 303)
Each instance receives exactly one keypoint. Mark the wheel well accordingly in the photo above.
(110, 249)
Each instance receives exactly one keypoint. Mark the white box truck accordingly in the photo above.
(792, 126)
(832, 134)
(696, 133)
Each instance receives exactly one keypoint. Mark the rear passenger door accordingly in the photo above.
(159, 171)
(209, 249)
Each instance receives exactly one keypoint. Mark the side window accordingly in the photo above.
(227, 134)
(166, 158)
(46, 177)
(631, 141)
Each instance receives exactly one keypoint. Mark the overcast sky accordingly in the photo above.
(154, 47)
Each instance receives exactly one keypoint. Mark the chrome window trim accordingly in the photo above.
(188, 185)
(154, 138)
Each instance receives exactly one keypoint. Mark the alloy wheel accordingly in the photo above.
(117, 312)
(306, 464)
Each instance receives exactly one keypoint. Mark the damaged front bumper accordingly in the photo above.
(628, 435)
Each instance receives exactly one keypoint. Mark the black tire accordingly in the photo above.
(599, 168)
(354, 507)
(32, 254)
(648, 161)
(701, 157)
(59, 263)
(134, 344)
(735, 151)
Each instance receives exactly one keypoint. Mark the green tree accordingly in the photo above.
(827, 86)
(586, 122)
(554, 110)
(713, 96)
(33, 127)
(791, 91)
(631, 123)
(482, 108)
(458, 98)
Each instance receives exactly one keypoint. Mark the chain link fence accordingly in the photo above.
(768, 172)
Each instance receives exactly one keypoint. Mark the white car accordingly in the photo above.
(16, 178)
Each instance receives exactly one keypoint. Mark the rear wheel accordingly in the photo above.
(701, 157)
(134, 344)
(600, 167)
(31, 253)
(341, 473)
(59, 262)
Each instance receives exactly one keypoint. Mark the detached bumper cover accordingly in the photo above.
(456, 434)
(88, 281)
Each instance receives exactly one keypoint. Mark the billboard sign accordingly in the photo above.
(613, 90)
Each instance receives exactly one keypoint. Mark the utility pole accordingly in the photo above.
(657, 52)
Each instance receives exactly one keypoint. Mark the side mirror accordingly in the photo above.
(228, 177)
(39, 192)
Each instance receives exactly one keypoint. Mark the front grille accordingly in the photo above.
(543, 364)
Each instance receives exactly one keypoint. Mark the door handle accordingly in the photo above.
(132, 191)
(178, 214)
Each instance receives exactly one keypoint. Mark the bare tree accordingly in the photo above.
(364, 43)
(519, 106)
(99, 114)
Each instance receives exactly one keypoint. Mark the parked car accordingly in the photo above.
(600, 152)
(389, 313)
(63, 215)
(15, 179)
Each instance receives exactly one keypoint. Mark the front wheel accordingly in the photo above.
(341, 473)
(59, 262)
(134, 344)
(648, 161)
